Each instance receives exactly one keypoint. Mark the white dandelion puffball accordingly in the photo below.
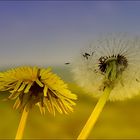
(90, 68)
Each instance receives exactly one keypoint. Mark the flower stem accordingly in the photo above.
(95, 114)
(22, 124)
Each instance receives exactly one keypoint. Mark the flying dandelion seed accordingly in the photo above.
(110, 72)
(36, 86)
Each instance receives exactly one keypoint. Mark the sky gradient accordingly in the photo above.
(50, 33)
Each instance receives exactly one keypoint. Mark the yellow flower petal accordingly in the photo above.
(17, 86)
(42, 108)
(28, 88)
(45, 91)
(17, 103)
(22, 87)
(39, 83)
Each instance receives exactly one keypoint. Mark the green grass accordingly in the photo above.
(118, 119)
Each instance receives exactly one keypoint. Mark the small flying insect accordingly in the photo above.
(67, 63)
(86, 55)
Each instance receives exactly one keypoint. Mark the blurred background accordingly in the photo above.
(51, 33)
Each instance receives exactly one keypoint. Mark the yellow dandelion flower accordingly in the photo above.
(36, 86)
(108, 69)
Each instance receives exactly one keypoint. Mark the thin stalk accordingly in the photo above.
(22, 124)
(95, 114)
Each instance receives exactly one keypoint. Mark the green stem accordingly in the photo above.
(95, 114)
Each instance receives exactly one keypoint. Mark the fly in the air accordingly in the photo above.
(86, 55)
(67, 63)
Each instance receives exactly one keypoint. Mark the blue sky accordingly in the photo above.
(50, 33)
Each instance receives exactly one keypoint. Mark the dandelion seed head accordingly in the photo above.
(33, 85)
(91, 72)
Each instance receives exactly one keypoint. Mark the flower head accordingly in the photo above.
(110, 61)
(33, 85)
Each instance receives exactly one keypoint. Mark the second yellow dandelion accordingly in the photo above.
(36, 86)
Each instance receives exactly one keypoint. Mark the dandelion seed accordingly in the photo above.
(36, 86)
(110, 72)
